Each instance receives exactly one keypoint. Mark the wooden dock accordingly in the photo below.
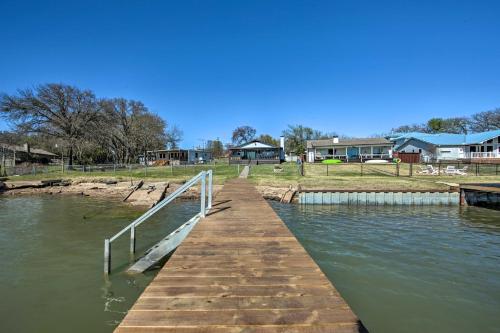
(240, 270)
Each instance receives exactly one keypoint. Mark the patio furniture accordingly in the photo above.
(450, 170)
(463, 171)
(422, 171)
(431, 170)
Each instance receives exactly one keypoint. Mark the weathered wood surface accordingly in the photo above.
(240, 270)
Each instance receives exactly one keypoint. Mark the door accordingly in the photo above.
(353, 152)
(251, 155)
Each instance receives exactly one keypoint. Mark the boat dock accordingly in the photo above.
(482, 195)
(240, 270)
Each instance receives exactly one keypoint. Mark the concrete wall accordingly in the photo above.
(379, 198)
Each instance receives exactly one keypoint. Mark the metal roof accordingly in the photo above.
(444, 139)
(254, 144)
(348, 142)
(23, 149)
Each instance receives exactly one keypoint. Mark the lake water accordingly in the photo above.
(51, 252)
(407, 269)
(402, 269)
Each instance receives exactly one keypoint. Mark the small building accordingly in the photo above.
(12, 155)
(177, 156)
(447, 146)
(349, 150)
(256, 152)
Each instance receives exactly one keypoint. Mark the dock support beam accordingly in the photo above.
(132, 239)
(107, 256)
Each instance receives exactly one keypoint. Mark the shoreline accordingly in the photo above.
(148, 195)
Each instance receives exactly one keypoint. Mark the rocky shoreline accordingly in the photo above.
(136, 193)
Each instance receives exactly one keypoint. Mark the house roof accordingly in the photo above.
(254, 144)
(348, 142)
(36, 151)
(443, 139)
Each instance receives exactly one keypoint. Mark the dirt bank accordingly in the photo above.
(147, 194)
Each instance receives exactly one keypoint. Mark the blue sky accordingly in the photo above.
(354, 67)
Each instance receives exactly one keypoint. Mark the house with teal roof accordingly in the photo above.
(447, 146)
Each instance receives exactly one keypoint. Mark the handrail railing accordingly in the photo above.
(205, 206)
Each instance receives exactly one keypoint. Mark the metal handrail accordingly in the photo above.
(205, 206)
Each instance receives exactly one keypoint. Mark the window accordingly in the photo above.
(489, 141)
(420, 151)
(330, 151)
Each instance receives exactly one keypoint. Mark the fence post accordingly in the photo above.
(132, 239)
(477, 169)
(397, 169)
(361, 165)
(411, 169)
(496, 169)
(327, 169)
(439, 169)
(210, 180)
(202, 194)
(107, 257)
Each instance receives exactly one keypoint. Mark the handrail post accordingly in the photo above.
(202, 194)
(107, 256)
(132, 239)
(210, 180)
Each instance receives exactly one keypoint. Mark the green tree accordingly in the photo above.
(296, 137)
(268, 139)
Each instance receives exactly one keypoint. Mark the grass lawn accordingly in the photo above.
(321, 176)
(221, 172)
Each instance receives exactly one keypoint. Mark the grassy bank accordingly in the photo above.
(343, 176)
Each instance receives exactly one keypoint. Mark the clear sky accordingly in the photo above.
(354, 67)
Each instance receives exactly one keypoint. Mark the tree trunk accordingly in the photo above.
(70, 156)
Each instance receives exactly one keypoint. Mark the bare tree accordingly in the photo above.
(57, 110)
(243, 134)
(173, 137)
(485, 121)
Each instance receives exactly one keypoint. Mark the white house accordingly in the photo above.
(446, 146)
(349, 150)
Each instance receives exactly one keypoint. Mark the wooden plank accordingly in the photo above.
(240, 270)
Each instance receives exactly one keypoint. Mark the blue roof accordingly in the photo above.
(443, 139)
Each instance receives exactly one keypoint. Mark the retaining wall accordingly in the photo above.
(379, 198)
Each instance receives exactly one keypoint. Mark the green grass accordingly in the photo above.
(337, 176)
(221, 172)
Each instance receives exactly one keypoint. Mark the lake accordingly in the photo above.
(401, 269)
(407, 269)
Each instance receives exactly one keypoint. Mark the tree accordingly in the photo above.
(173, 137)
(297, 136)
(485, 121)
(267, 139)
(243, 134)
(457, 125)
(57, 110)
(216, 148)
(410, 128)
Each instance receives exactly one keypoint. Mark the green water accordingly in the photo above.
(402, 269)
(51, 257)
(407, 269)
